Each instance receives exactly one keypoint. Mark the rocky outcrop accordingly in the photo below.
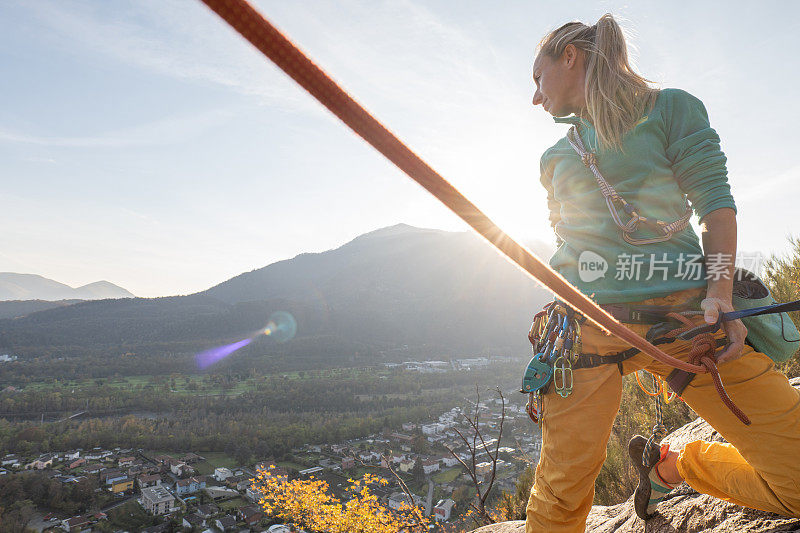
(683, 511)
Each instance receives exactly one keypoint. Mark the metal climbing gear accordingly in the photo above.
(562, 377)
(659, 430)
(636, 219)
(555, 337)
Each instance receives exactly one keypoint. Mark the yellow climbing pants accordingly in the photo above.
(760, 468)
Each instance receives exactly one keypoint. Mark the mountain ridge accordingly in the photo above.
(15, 286)
(395, 286)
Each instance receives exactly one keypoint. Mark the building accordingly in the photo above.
(252, 494)
(79, 523)
(44, 461)
(191, 458)
(226, 523)
(348, 463)
(207, 510)
(483, 468)
(220, 493)
(113, 478)
(125, 461)
(251, 514)
(179, 468)
(10, 460)
(429, 467)
(311, 471)
(407, 465)
(77, 462)
(122, 485)
(401, 437)
(149, 480)
(193, 520)
(399, 500)
(157, 500)
(189, 486)
(74, 454)
(76, 523)
(221, 474)
(443, 509)
(449, 460)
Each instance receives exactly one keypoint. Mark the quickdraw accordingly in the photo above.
(555, 337)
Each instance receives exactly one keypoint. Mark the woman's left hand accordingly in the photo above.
(735, 330)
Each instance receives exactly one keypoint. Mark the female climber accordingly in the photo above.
(632, 250)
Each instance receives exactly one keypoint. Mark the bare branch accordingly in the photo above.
(414, 509)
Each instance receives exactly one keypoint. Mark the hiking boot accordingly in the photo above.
(652, 488)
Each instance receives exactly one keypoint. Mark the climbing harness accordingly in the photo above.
(555, 337)
(557, 352)
(667, 230)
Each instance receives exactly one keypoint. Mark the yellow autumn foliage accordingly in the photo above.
(308, 504)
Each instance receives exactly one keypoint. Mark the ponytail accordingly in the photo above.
(616, 96)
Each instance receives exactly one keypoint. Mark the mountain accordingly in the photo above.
(435, 291)
(15, 287)
(20, 308)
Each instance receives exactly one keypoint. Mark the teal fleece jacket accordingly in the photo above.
(672, 153)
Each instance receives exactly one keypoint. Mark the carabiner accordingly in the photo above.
(562, 377)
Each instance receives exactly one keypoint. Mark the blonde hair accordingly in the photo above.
(616, 96)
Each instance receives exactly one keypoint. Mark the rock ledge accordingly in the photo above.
(683, 511)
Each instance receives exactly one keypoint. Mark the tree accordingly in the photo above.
(417, 472)
(476, 444)
(308, 504)
(512, 505)
(782, 276)
(15, 519)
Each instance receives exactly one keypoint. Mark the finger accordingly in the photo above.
(735, 331)
(731, 353)
(711, 311)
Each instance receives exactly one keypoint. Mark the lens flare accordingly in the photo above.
(282, 327)
(209, 357)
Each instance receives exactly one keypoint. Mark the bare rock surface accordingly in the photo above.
(683, 511)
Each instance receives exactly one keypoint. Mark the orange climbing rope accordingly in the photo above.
(281, 51)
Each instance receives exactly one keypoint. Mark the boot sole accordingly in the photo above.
(641, 498)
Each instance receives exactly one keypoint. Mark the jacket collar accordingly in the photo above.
(574, 120)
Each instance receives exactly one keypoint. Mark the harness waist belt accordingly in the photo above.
(647, 314)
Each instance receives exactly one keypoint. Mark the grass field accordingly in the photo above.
(130, 516)
(214, 460)
(447, 476)
(289, 464)
(235, 503)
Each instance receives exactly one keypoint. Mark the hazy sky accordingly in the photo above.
(147, 144)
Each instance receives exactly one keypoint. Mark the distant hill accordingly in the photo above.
(439, 291)
(20, 308)
(15, 286)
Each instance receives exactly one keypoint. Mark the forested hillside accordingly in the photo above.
(428, 290)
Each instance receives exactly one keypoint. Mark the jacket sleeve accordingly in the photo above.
(553, 205)
(693, 149)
